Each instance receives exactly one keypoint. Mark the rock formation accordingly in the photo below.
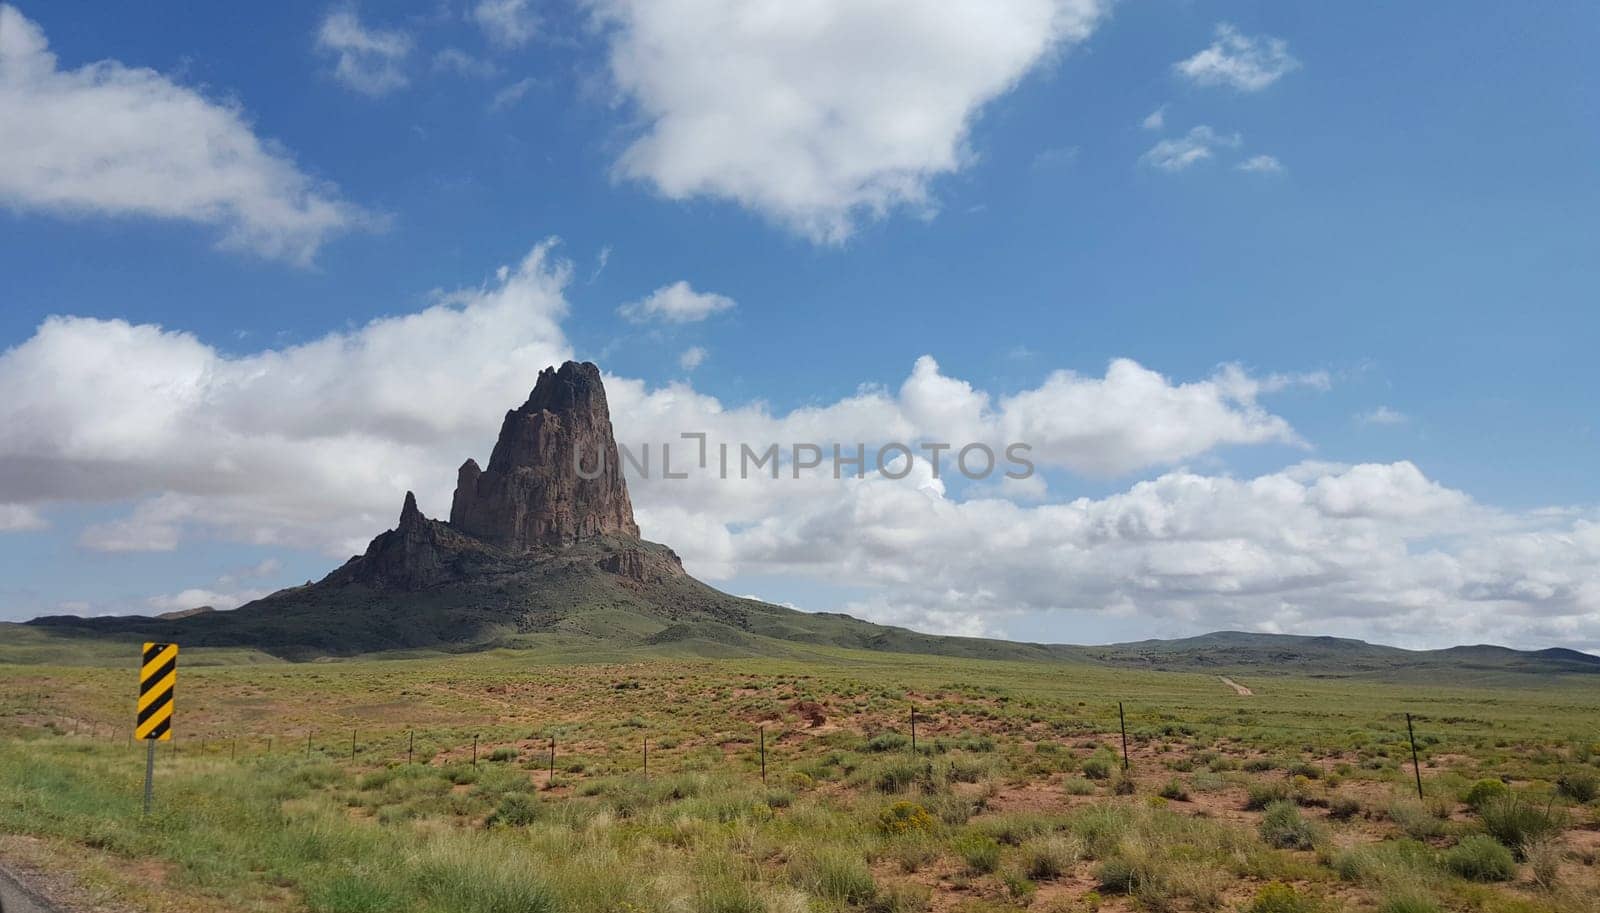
(531, 507)
(533, 494)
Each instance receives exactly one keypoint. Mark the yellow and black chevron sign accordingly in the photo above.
(157, 678)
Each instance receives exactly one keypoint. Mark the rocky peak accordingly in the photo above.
(532, 494)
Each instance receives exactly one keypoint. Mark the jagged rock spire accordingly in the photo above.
(532, 495)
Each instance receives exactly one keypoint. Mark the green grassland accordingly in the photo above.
(289, 787)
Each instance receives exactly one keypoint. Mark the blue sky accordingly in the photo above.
(1415, 265)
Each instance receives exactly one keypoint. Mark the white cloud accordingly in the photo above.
(820, 114)
(16, 518)
(309, 445)
(1156, 119)
(107, 139)
(1383, 415)
(692, 357)
(455, 60)
(1376, 550)
(506, 23)
(369, 61)
(1248, 64)
(1194, 147)
(194, 598)
(1261, 164)
(510, 95)
(312, 446)
(676, 303)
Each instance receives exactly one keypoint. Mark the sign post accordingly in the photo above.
(158, 677)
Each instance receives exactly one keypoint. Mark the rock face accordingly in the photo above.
(532, 495)
(408, 557)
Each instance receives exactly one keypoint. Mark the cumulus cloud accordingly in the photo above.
(312, 446)
(108, 139)
(1156, 119)
(820, 114)
(676, 303)
(367, 60)
(1196, 146)
(305, 445)
(1243, 62)
(1371, 550)
(506, 23)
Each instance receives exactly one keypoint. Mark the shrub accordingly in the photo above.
(1261, 795)
(1484, 790)
(1077, 786)
(1278, 897)
(839, 875)
(1480, 858)
(1117, 876)
(888, 741)
(1044, 858)
(1097, 769)
(1343, 808)
(904, 818)
(1124, 787)
(1544, 857)
(1517, 822)
(514, 810)
(1578, 785)
(981, 854)
(348, 893)
(506, 753)
(1417, 822)
(1283, 828)
(1175, 790)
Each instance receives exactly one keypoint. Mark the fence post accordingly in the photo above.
(1122, 719)
(352, 744)
(474, 749)
(308, 743)
(551, 783)
(1416, 768)
(411, 744)
(647, 759)
(763, 755)
(913, 727)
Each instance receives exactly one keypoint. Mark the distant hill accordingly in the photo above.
(534, 548)
(1333, 656)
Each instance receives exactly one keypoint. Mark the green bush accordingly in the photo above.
(904, 818)
(1484, 790)
(839, 875)
(514, 810)
(1097, 769)
(1578, 785)
(1343, 808)
(1044, 858)
(503, 754)
(1278, 897)
(981, 854)
(1175, 790)
(1283, 828)
(1117, 876)
(1261, 795)
(1480, 858)
(1516, 821)
(350, 893)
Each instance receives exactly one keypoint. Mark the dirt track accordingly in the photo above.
(1240, 689)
